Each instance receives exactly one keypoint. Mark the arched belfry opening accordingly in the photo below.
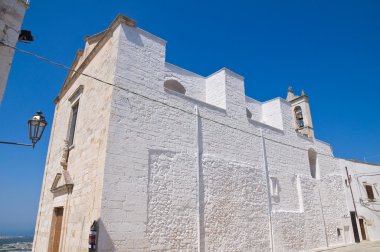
(301, 112)
(313, 162)
(299, 117)
(175, 86)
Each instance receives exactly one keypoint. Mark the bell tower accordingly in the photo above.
(301, 113)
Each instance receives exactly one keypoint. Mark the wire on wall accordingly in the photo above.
(146, 97)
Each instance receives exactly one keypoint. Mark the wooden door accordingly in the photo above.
(362, 229)
(55, 230)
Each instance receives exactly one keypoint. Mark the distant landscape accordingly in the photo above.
(16, 243)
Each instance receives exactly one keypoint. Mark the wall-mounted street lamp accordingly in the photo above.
(37, 126)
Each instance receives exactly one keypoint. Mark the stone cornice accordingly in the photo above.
(70, 74)
(299, 98)
(228, 72)
(66, 186)
(106, 35)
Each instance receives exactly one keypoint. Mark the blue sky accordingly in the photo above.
(329, 48)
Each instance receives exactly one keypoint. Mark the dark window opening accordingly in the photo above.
(299, 117)
(370, 194)
(249, 113)
(313, 162)
(73, 122)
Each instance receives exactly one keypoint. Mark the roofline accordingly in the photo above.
(299, 98)
(120, 19)
(250, 99)
(228, 71)
(183, 69)
(90, 39)
(360, 162)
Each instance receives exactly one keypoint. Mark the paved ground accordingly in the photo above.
(363, 246)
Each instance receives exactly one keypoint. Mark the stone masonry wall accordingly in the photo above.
(86, 157)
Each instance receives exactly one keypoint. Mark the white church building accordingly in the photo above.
(164, 159)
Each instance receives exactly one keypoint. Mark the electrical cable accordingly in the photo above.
(146, 97)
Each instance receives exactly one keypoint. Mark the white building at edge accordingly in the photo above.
(362, 188)
(11, 16)
(168, 160)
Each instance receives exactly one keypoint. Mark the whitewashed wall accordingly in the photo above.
(368, 210)
(152, 156)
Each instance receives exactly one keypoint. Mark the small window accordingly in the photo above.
(339, 231)
(73, 122)
(274, 186)
(249, 113)
(175, 86)
(299, 117)
(313, 162)
(370, 195)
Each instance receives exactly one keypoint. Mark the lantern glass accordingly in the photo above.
(36, 127)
